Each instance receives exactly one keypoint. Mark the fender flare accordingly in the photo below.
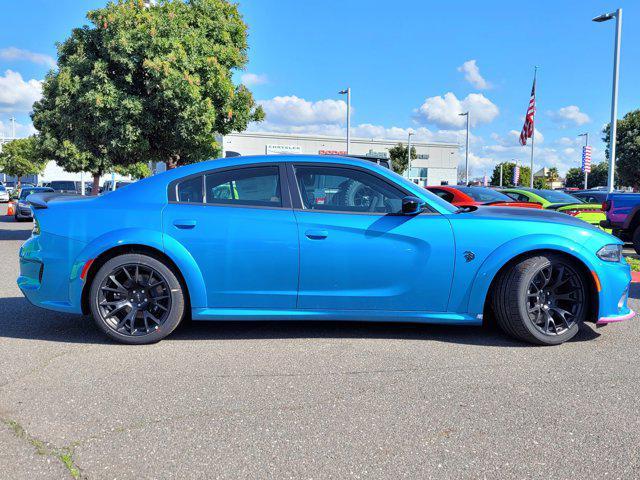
(178, 254)
(513, 248)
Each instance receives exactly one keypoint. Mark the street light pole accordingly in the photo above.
(347, 92)
(586, 144)
(613, 129)
(466, 155)
(409, 154)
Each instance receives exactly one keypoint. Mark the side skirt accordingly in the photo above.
(250, 314)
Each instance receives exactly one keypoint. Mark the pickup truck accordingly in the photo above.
(623, 217)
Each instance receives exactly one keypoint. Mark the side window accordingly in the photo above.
(443, 194)
(190, 190)
(346, 190)
(255, 186)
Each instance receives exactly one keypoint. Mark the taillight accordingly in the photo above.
(606, 205)
(36, 227)
(573, 213)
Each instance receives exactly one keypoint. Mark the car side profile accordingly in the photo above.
(314, 238)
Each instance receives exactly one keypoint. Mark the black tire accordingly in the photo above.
(636, 240)
(155, 285)
(523, 302)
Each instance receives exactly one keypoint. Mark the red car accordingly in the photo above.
(461, 196)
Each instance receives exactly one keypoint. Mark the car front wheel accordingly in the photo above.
(136, 299)
(541, 299)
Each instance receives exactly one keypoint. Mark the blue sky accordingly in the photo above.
(410, 65)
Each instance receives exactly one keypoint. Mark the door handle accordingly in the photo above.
(184, 224)
(316, 234)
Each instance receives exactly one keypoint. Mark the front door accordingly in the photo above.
(358, 252)
(242, 233)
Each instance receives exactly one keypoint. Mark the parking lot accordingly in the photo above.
(309, 400)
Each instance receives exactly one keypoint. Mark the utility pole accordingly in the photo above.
(613, 129)
(13, 127)
(409, 155)
(347, 92)
(501, 165)
(533, 133)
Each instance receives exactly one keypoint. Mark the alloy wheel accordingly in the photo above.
(555, 298)
(134, 299)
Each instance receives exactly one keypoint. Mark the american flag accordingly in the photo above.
(516, 174)
(527, 129)
(586, 159)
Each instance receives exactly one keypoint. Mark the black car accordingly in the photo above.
(23, 210)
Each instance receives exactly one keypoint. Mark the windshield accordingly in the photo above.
(482, 194)
(556, 196)
(63, 185)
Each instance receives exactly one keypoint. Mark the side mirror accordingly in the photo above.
(412, 205)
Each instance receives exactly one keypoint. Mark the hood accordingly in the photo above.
(525, 214)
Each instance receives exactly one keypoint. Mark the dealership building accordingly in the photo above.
(437, 163)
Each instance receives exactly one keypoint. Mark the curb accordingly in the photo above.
(635, 277)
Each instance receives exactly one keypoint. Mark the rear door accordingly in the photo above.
(239, 226)
(357, 252)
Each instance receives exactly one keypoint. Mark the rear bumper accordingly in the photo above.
(47, 274)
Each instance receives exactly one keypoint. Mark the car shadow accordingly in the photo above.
(21, 320)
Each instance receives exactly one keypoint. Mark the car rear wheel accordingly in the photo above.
(541, 299)
(136, 299)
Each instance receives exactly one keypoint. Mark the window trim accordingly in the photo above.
(172, 189)
(296, 194)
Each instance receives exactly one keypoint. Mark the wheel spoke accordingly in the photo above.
(126, 272)
(112, 277)
(119, 305)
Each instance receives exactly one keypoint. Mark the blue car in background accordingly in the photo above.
(314, 238)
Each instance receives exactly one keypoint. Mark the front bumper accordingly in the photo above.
(619, 318)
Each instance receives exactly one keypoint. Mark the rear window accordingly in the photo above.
(190, 190)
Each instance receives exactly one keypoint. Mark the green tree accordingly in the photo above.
(21, 157)
(553, 175)
(136, 171)
(507, 175)
(627, 149)
(399, 160)
(145, 84)
(574, 178)
(540, 183)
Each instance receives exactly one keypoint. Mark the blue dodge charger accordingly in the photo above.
(314, 238)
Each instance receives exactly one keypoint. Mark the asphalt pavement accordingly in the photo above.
(309, 400)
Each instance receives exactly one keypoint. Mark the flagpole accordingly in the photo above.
(533, 133)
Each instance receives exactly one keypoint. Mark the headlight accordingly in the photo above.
(610, 253)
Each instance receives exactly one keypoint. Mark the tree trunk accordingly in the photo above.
(19, 182)
(95, 190)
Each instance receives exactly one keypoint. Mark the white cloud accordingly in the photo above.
(252, 79)
(292, 110)
(570, 115)
(444, 111)
(472, 74)
(17, 95)
(13, 53)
